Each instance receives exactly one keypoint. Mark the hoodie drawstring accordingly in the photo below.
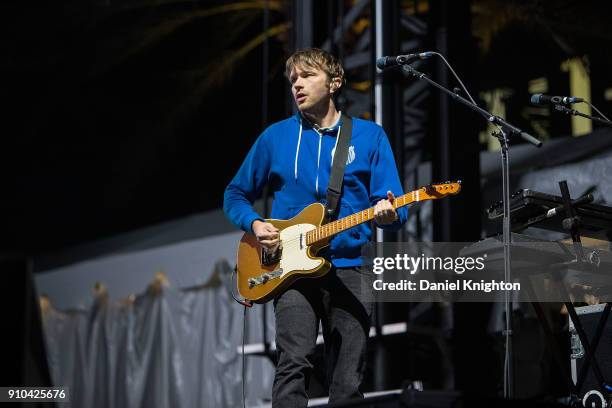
(318, 161)
(297, 151)
(297, 154)
(336, 144)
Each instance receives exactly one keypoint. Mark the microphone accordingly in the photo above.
(541, 99)
(393, 61)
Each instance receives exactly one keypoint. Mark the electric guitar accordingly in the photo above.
(263, 275)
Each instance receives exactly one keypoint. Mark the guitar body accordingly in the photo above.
(262, 276)
(260, 281)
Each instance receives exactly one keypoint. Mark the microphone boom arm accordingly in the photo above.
(574, 112)
(503, 135)
(507, 127)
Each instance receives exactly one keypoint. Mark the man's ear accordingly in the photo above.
(334, 84)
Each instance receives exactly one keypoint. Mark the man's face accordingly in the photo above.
(311, 88)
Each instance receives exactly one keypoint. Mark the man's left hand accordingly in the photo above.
(384, 212)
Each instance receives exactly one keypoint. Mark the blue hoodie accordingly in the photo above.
(296, 160)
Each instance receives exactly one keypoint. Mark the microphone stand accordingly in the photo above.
(506, 129)
(568, 111)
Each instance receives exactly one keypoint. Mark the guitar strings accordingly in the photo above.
(360, 222)
(404, 197)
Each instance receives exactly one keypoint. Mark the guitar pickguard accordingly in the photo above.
(295, 251)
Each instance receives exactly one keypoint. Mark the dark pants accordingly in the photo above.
(337, 300)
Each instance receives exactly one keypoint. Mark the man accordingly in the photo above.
(295, 156)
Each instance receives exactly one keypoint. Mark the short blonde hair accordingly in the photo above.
(315, 58)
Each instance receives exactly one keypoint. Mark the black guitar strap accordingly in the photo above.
(334, 188)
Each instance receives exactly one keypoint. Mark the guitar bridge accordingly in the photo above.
(271, 258)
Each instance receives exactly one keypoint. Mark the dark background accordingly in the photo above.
(120, 115)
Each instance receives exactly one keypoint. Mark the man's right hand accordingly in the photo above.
(267, 234)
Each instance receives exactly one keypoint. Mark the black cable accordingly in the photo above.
(597, 110)
(448, 65)
(243, 357)
(508, 312)
(244, 302)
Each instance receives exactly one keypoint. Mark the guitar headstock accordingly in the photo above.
(444, 189)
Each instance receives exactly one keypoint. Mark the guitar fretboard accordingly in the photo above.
(335, 227)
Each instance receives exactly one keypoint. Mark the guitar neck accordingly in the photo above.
(336, 227)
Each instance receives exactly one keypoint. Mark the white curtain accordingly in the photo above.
(163, 348)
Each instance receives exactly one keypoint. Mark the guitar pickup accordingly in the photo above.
(271, 258)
